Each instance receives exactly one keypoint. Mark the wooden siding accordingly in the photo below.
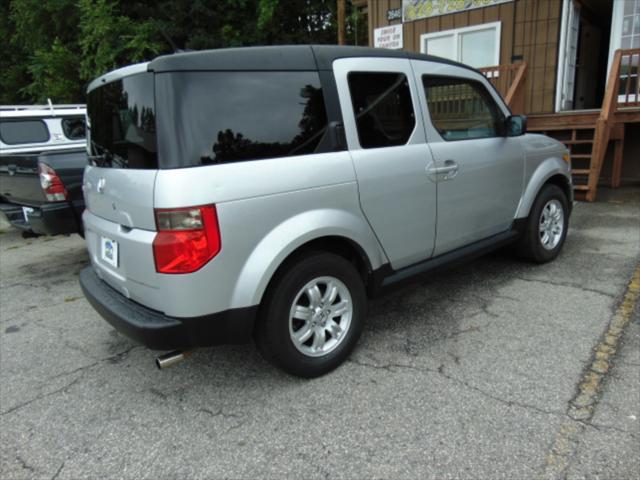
(530, 29)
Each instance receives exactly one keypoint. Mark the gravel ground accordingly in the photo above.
(471, 374)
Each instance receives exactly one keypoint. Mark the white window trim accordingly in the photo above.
(456, 32)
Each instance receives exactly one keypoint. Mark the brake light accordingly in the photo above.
(187, 238)
(51, 184)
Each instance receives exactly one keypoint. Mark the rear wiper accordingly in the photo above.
(106, 158)
(99, 160)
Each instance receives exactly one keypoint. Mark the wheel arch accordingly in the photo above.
(550, 171)
(563, 182)
(338, 232)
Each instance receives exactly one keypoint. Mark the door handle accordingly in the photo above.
(450, 170)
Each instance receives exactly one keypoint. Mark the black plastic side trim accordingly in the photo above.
(385, 278)
(331, 141)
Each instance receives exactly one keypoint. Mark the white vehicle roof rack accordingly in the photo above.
(41, 111)
(52, 107)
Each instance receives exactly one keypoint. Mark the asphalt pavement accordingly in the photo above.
(497, 369)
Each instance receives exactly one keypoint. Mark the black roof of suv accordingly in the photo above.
(287, 57)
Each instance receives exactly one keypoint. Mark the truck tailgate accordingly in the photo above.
(19, 180)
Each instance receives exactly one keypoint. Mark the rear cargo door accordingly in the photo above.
(119, 183)
(122, 196)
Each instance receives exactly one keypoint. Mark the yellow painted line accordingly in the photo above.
(582, 405)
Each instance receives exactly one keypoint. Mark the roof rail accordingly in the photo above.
(16, 108)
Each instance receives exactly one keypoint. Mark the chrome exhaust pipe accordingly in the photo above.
(171, 358)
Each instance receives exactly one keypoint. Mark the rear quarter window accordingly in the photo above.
(207, 118)
(16, 132)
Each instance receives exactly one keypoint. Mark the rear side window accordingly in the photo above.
(73, 128)
(16, 132)
(382, 107)
(207, 118)
(462, 109)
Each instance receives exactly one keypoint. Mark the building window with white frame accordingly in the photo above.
(477, 46)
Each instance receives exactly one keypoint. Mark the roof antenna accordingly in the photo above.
(169, 41)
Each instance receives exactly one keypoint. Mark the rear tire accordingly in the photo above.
(312, 315)
(546, 227)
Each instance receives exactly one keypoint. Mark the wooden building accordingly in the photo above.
(570, 65)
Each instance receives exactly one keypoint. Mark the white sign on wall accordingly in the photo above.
(388, 37)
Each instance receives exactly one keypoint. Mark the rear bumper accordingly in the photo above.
(48, 219)
(160, 332)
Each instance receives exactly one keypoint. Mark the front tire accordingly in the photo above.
(547, 226)
(312, 315)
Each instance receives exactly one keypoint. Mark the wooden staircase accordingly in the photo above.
(578, 130)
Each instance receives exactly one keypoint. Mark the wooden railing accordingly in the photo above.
(628, 87)
(509, 81)
(622, 91)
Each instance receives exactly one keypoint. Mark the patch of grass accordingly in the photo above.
(71, 299)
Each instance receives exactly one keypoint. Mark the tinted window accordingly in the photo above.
(14, 132)
(382, 107)
(462, 109)
(73, 128)
(215, 117)
(122, 124)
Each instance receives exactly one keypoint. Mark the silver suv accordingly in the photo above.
(268, 192)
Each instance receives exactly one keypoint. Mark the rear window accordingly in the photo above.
(122, 125)
(73, 128)
(209, 118)
(14, 132)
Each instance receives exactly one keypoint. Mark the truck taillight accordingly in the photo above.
(51, 184)
(187, 238)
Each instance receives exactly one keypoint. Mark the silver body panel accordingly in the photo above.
(543, 160)
(263, 218)
(117, 74)
(384, 200)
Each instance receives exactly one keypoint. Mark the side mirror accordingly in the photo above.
(515, 125)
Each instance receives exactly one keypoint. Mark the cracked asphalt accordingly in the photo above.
(468, 375)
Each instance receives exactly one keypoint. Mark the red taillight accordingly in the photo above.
(51, 184)
(187, 238)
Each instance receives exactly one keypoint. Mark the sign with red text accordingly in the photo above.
(388, 37)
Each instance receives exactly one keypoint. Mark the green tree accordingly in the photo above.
(109, 39)
(57, 46)
(41, 45)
